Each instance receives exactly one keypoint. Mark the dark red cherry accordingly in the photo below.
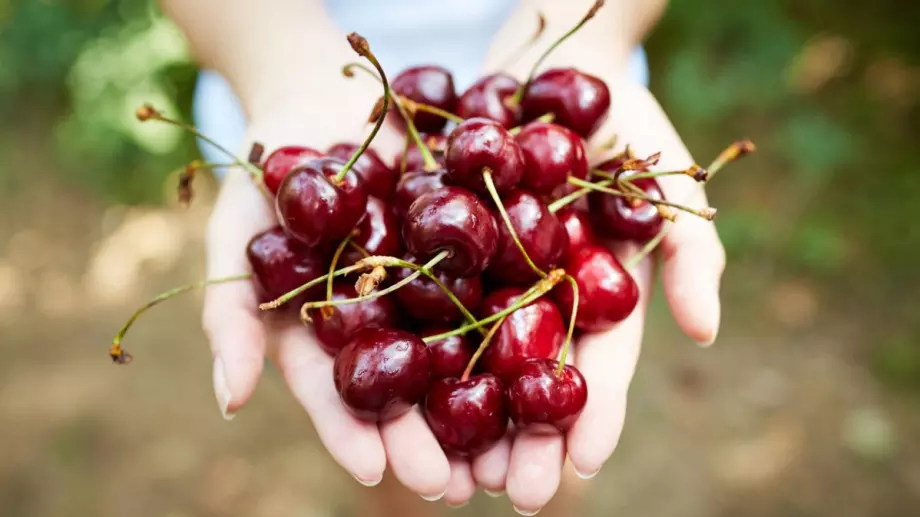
(578, 228)
(346, 320)
(478, 144)
(436, 143)
(628, 218)
(412, 185)
(541, 401)
(488, 98)
(578, 100)
(281, 264)
(540, 232)
(552, 153)
(536, 330)
(455, 220)
(315, 209)
(379, 180)
(378, 233)
(467, 417)
(607, 293)
(449, 356)
(423, 300)
(282, 161)
(382, 373)
(432, 85)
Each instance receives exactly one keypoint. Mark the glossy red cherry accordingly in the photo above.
(282, 161)
(536, 330)
(382, 373)
(552, 153)
(432, 85)
(455, 220)
(423, 300)
(379, 180)
(628, 218)
(488, 98)
(449, 356)
(467, 417)
(578, 101)
(607, 293)
(478, 144)
(412, 185)
(578, 228)
(541, 401)
(346, 320)
(540, 232)
(436, 144)
(377, 233)
(315, 209)
(281, 264)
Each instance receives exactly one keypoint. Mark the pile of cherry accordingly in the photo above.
(456, 274)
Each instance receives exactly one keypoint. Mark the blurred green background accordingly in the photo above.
(809, 404)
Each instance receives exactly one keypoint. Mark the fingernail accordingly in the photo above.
(459, 505)
(526, 513)
(706, 344)
(370, 483)
(496, 493)
(586, 475)
(433, 498)
(222, 389)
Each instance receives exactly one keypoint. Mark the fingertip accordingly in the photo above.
(691, 285)
(490, 469)
(414, 455)
(535, 470)
(461, 487)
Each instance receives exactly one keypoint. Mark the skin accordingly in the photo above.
(274, 68)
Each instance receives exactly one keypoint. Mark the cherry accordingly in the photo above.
(281, 264)
(489, 98)
(467, 416)
(346, 320)
(437, 145)
(282, 161)
(540, 400)
(455, 220)
(382, 373)
(539, 231)
(607, 292)
(377, 233)
(578, 228)
(536, 330)
(431, 85)
(379, 180)
(412, 185)
(552, 153)
(628, 218)
(315, 208)
(449, 356)
(423, 300)
(478, 144)
(578, 101)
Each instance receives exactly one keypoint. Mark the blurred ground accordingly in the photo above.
(807, 406)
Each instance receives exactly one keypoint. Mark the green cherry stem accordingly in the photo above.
(514, 56)
(333, 264)
(546, 118)
(290, 295)
(404, 159)
(118, 354)
(490, 186)
(571, 331)
(360, 46)
(707, 213)
(411, 105)
(482, 348)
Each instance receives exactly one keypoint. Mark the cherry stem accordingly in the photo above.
(694, 171)
(360, 46)
(290, 295)
(411, 105)
(148, 112)
(482, 348)
(358, 248)
(519, 94)
(518, 52)
(571, 330)
(369, 262)
(118, 354)
(404, 160)
(546, 118)
(490, 186)
(542, 287)
(332, 265)
(707, 213)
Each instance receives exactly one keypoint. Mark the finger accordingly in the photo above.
(693, 255)
(230, 317)
(490, 469)
(535, 470)
(607, 361)
(415, 456)
(461, 487)
(307, 370)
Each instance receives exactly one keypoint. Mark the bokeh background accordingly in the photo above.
(808, 405)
